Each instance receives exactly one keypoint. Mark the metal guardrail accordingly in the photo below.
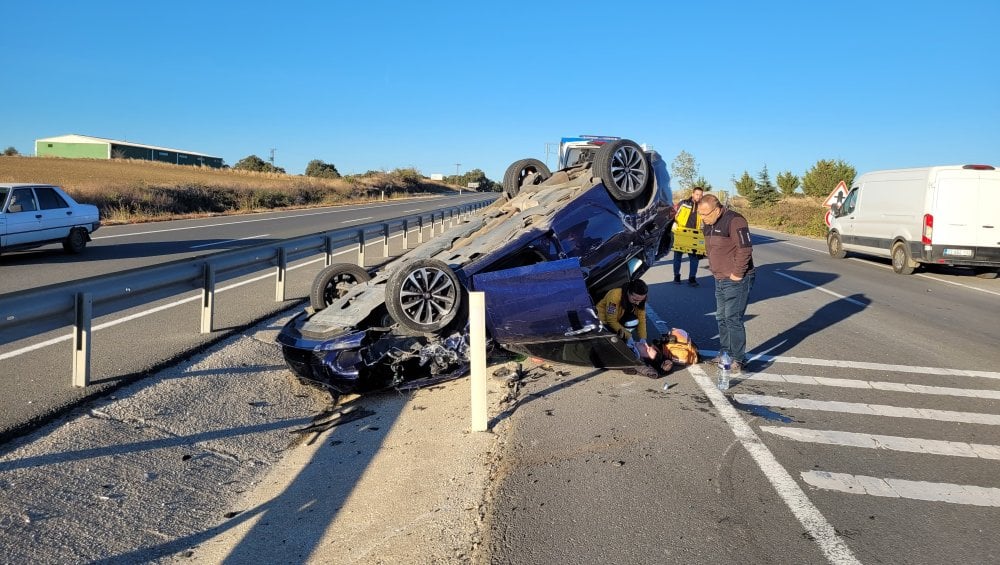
(29, 313)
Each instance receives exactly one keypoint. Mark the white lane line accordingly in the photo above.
(926, 276)
(900, 488)
(869, 409)
(957, 284)
(144, 313)
(228, 241)
(821, 289)
(408, 211)
(804, 247)
(890, 443)
(233, 223)
(708, 353)
(795, 498)
(873, 385)
(357, 220)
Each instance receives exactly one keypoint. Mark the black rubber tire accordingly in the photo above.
(901, 262)
(987, 272)
(834, 245)
(423, 295)
(75, 242)
(624, 168)
(333, 282)
(513, 178)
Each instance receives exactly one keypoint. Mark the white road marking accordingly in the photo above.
(228, 241)
(357, 220)
(899, 488)
(233, 223)
(873, 385)
(869, 409)
(795, 498)
(804, 247)
(708, 353)
(891, 443)
(926, 276)
(144, 313)
(821, 289)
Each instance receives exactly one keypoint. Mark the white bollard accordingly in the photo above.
(477, 354)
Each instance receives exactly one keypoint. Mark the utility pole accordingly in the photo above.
(457, 165)
(550, 148)
(272, 155)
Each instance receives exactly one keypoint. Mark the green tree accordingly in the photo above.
(702, 182)
(788, 182)
(319, 169)
(765, 193)
(684, 169)
(823, 177)
(10, 152)
(474, 176)
(745, 185)
(255, 163)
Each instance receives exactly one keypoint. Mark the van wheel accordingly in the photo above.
(835, 246)
(901, 262)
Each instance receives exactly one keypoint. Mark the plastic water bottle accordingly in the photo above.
(725, 365)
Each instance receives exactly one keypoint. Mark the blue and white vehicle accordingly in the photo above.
(32, 215)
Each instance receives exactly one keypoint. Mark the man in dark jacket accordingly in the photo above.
(687, 217)
(730, 258)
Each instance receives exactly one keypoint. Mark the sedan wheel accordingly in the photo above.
(423, 295)
(333, 282)
(518, 171)
(75, 242)
(623, 167)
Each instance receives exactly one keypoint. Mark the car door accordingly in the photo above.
(545, 310)
(22, 217)
(57, 216)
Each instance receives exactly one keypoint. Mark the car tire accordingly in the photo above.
(624, 168)
(901, 262)
(75, 242)
(333, 282)
(518, 171)
(987, 272)
(423, 295)
(835, 246)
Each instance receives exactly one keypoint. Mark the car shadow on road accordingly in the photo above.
(534, 375)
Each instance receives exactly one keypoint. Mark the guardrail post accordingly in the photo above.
(280, 274)
(361, 248)
(329, 251)
(420, 229)
(441, 228)
(207, 299)
(385, 241)
(406, 234)
(81, 339)
(477, 354)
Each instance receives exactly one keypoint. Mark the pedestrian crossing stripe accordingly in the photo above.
(873, 385)
(891, 443)
(900, 488)
(869, 409)
(707, 354)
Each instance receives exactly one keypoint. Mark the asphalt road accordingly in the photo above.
(866, 430)
(35, 374)
(122, 247)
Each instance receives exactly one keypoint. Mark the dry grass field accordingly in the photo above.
(131, 190)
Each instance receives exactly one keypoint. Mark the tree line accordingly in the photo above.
(818, 181)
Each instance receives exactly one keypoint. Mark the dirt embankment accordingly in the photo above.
(131, 191)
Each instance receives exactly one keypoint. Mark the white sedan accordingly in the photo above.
(32, 215)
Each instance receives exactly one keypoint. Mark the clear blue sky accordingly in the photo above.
(382, 85)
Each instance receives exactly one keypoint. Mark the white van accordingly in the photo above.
(942, 215)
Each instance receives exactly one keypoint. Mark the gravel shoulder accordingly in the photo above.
(206, 462)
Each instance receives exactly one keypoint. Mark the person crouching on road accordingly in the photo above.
(730, 258)
(624, 311)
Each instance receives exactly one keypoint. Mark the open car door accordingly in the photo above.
(545, 310)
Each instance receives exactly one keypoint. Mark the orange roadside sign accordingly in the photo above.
(837, 196)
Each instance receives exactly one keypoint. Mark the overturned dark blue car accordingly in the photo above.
(543, 254)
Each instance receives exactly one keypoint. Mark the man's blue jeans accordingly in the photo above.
(693, 258)
(730, 306)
